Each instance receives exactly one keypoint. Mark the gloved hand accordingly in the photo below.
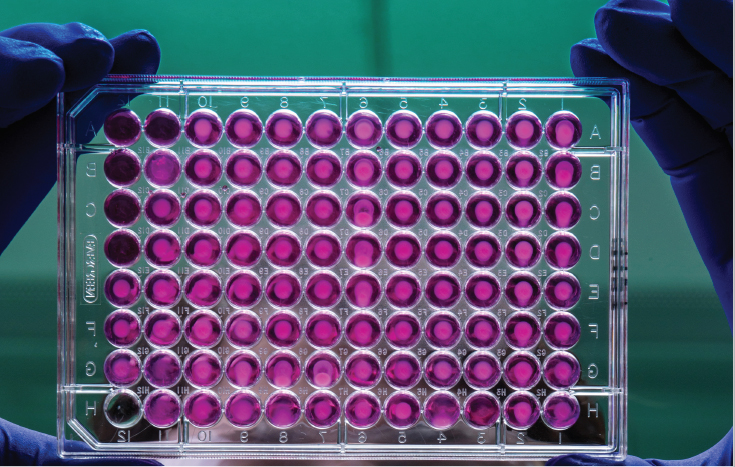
(678, 60)
(37, 61)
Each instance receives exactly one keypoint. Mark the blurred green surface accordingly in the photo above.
(680, 353)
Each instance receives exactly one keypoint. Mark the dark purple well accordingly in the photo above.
(522, 290)
(482, 370)
(122, 208)
(122, 367)
(203, 409)
(122, 167)
(203, 288)
(563, 130)
(243, 409)
(562, 290)
(521, 370)
(562, 330)
(561, 370)
(482, 290)
(283, 409)
(521, 410)
(363, 329)
(443, 290)
(162, 368)
(403, 249)
(523, 170)
(442, 330)
(202, 369)
(362, 369)
(402, 370)
(402, 330)
(122, 248)
(162, 128)
(283, 369)
(560, 410)
(362, 409)
(122, 127)
(283, 329)
(403, 290)
(563, 210)
(522, 330)
(363, 169)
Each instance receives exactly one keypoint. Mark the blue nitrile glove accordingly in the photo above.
(678, 60)
(36, 62)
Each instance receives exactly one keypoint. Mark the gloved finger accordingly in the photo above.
(640, 36)
(707, 26)
(30, 75)
(584, 459)
(697, 158)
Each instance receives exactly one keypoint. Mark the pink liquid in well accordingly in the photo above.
(442, 330)
(363, 290)
(483, 250)
(162, 368)
(483, 210)
(403, 250)
(443, 169)
(323, 209)
(203, 328)
(481, 410)
(323, 249)
(323, 169)
(283, 168)
(403, 129)
(563, 210)
(283, 369)
(363, 209)
(322, 369)
(203, 128)
(441, 410)
(482, 370)
(563, 170)
(203, 288)
(324, 129)
(203, 168)
(122, 248)
(243, 329)
(561, 370)
(443, 250)
(363, 329)
(243, 409)
(563, 130)
(203, 208)
(283, 409)
(162, 288)
(442, 370)
(560, 411)
(202, 369)
(402, 410)
(522, 330)
(482, 330)
(483, 129)
(283, 329)
(362, 409)
(283, 129)
(243, 209)
(162, 248)
(363, 249)
(483, 169)
(402, 370)
(122, 127)
(482, 290)
(243, 249)
(522, 290)
(521, 370)
(122, 328)
(243, 289)
(243, 168)
(203, 248)
(323, 329)
(283, 249)
(243, 369)
(122, 368)
(403, 290)
(203, 409)
(364, 129)
(323, 289)
(243, 128)
(523, 170)
(523, 130)
(443, 129)
(363, 169)
(122, 288)
(162, 328)
(162, 208)
(443, 290)
(403, 169)
(162, 168)
(523, 250)
(443, 209)
(523, 210)
(362, 369)
(283, 289)
(521, 410)
(402, 330)
(122, 208)
(322, 409)
(562, 330)
(162, 127)
(122, 167)
(283, 209)
(403, 209)
(562, 290)
(162, 408)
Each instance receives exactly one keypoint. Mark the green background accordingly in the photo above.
(680, 354)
